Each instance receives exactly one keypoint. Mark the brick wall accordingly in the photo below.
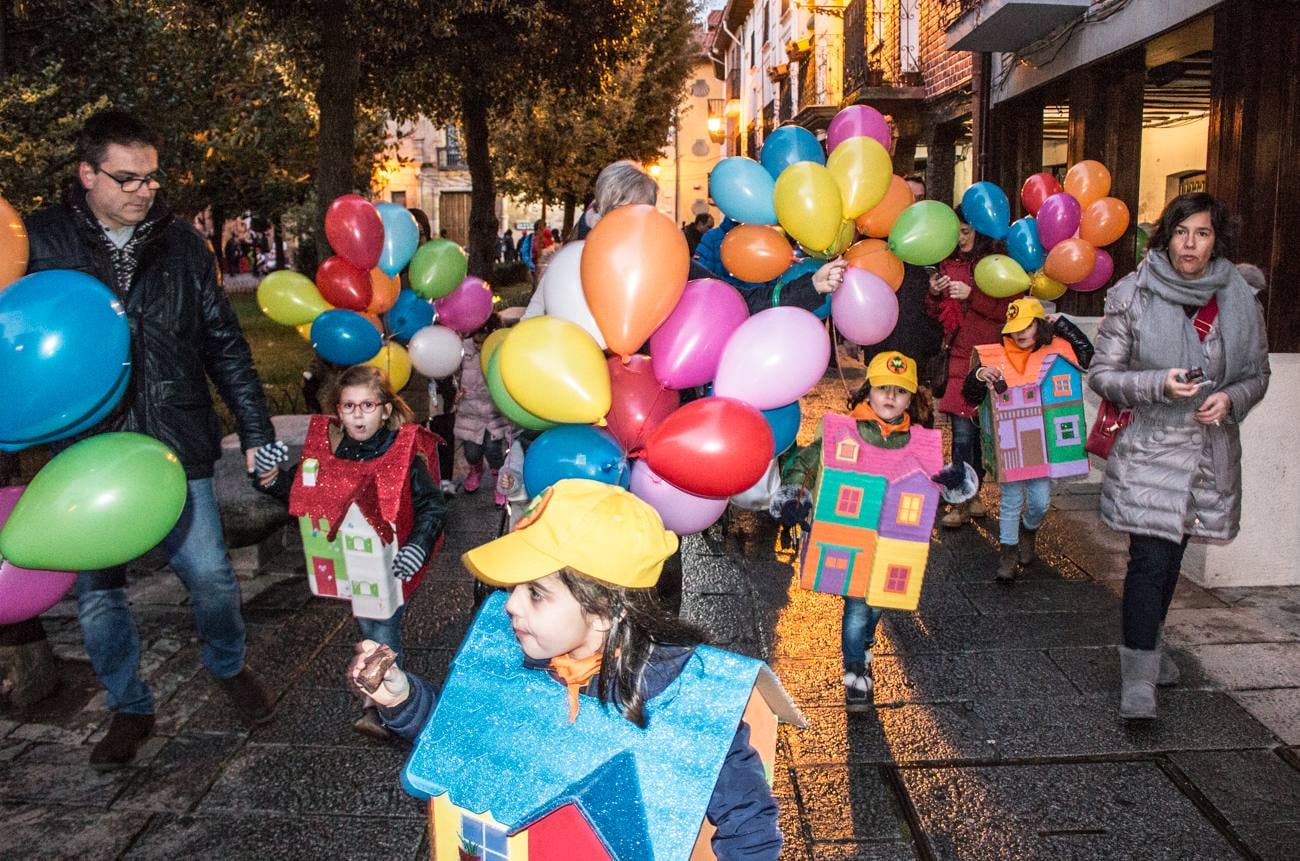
(942, 70)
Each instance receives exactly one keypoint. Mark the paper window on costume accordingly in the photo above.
(909, 509)
(849, 503)
(896, 579)
(488, 839)
(846, 450)
(358, 543)
(1061, 386)
(1067, 430)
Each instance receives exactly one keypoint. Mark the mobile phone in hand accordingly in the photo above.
(932, 271)
(1000, 385)
(1191, 375)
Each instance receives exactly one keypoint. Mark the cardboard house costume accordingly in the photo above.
(354, 514)
(1035, 429)
(873, 511)
(509, 778)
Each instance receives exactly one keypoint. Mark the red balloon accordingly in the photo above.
(638, 402)
(343, 285)
(712, 447)
(1038, 188)
(355, 231)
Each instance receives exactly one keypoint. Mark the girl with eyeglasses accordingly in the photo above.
(372, 443)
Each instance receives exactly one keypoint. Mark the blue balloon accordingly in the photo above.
(743, 190)
(344, 337)
(64, 341)
(408, 315)
(987, 209)
(401, 237)
(1024, 246)
(97, 415)
(785, 424)
(574, 451)
(789, 145)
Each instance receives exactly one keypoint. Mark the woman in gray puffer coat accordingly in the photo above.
(1175, 471)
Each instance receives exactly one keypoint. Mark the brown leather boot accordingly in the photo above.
(959, 514)
(126, 732)
(370, 725)
(977, 509)
(250, 697)
(1028, 550)
(1006, 563)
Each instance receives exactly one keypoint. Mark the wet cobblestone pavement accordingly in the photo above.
(994, 735)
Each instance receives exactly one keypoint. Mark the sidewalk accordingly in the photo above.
(995, 734)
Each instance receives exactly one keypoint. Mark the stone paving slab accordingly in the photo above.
(60, 774)
(1250, 787)
(34, 831)
(1040, 596)
(1279, 710)
(1096, 669)
(176, 778)
(849, 803)
(1093, 810)
(362, 837)
(1228, 625)
(908, 733)
(1244, 666)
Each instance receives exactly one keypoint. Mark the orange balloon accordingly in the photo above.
(374, 321)
(13, 245)
(383, 291)
(634, 269)
(1070, 261)
(304, 330)
(1088, 181)
(874, 256)
(1104, 221)
(879, 220)
(755, 252)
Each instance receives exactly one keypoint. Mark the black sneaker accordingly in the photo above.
(857, 691)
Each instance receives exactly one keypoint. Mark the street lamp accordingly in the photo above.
(716, 123)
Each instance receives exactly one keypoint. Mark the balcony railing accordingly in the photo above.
(451, 159)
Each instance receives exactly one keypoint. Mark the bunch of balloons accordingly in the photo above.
(1058, 246)
(822, 199)
(356, 312)
(619, 418)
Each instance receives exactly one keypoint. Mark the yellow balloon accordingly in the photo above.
(1000, 277)
(807, 201)
(555, 370)
(490, 345)
(862, 169)
(304, 330)
(1043, 287)
(395, 362)
(841, 244)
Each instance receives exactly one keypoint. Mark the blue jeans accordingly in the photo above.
(196, 550)
(387, 631)
(858, 632)
(966, 445)
(1036, 492)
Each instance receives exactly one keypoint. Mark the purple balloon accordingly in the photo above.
(686, 349)
(1100, 274)
(467, 307)
(858, 121)
(1058, 219)
(682, 512)
(774, 358)
(864, 308)
(26, 593)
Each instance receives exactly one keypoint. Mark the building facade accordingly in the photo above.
(425, 169)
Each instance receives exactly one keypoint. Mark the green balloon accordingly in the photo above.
(925, 233)
(437, 268)
(999, 276)
(508, 406)
(1140, 242)
(102, 502)
(289, 298)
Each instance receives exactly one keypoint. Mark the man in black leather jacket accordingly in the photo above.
(113, 225)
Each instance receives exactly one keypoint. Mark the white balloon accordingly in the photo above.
(435, 351)
(759, 497)
(562, 290)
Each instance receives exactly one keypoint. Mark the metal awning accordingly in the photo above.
(1009, 25)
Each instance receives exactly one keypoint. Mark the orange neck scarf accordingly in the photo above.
(864, 412)
(1019, 358)
(575, 673)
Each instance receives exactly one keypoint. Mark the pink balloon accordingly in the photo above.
(682, 512)
(774, 358)
(26, 593)
(1100, 274)
(686, 349)
(1058, 219)
(467, 307)
(864, 308)
(858, 121)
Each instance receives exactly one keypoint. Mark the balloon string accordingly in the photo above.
(835, 350)
(638, 441)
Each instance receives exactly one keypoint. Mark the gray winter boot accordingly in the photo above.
(1139, 669)
(1169, 672)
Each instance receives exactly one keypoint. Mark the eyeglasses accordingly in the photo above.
(366, 407)
(131, 184)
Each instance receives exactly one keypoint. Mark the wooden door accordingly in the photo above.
(453, 215)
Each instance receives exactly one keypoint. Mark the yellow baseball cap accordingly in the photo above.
(892, 369)
(1021, 313)
(597, 529)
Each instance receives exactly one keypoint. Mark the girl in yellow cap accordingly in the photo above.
(1028, 336)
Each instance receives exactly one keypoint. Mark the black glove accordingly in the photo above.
(408, 561)
(951, 477)
(268, 457)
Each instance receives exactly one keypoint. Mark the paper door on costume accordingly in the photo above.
(872, 515)
(352, 515)
(509, 778)
(1036, 428)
